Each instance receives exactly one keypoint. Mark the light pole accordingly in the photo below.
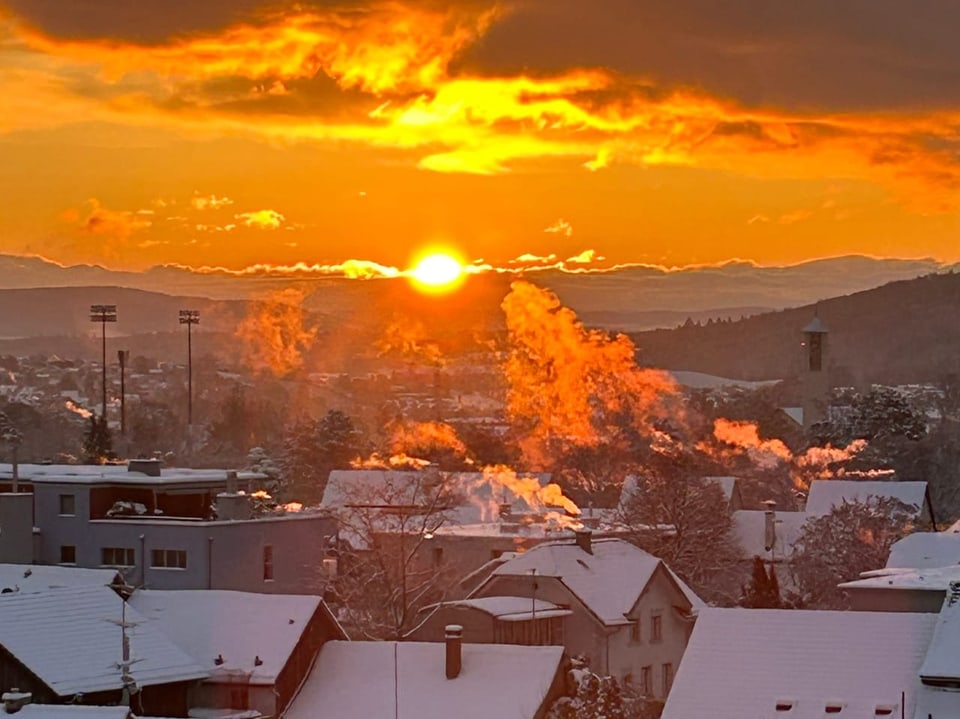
(103, 314)
(189, 318)
(122, 357)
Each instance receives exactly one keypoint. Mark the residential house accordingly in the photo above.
(799, 664)
(165, 528)
(84, 645)
(257, 648)
(430, 680)
(629, 614)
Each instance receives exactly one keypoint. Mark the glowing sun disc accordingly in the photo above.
(437, 271)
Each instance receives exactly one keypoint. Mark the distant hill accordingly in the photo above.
(907, 331)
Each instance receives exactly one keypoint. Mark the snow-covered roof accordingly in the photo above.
(512, 608)
(933, 579)
(72, 711)
(794, 413)
(479, 498)
(700, 380)
(942, 662)
(31, 578)
(923, 550)
(608, 581)
(728, 485)
(237, 626)
(749, 530)
(745, 662)
(117, 474)
(825, 494)
(359, 680)
(70, 639)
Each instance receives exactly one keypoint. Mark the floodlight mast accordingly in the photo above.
(189, 318)
(103, 314)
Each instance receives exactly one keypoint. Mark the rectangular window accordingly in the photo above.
(667, 678)
(437, 556)
(168, 559)
(636, 635)
(268, 563)
(646, 681)
(656, 628)
(68, 554)
(117, 557)
(68, 505)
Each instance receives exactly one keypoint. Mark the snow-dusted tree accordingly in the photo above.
(591, 696)
(763, 591)
(854, 537)
(684, 520)
(388, 569)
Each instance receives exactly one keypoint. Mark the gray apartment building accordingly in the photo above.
(163, 528)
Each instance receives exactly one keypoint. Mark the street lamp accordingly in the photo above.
(189, 318)
(103, 314)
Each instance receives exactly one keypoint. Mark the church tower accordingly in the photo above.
(815, 376)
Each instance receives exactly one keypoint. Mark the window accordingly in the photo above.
(68, 554)
(267, 563)
(117, 557)
(667, 678)
(168, 559)
(437, 556)
(68, 505)
(646, 681)
(656, 628)
(636, 635)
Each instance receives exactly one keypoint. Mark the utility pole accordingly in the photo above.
(189, 318)
(103, 314)
(122, 357)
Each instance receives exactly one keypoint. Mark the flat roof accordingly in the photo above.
(117, 474)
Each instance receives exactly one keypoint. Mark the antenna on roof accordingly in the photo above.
(130, 686)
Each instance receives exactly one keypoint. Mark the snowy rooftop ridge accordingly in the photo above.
(746, 662)
(32, 578)
(242, 628)
(608, 580)
(48, 631)
(359, 680)
(825, 494)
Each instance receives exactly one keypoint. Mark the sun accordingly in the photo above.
(437, 272)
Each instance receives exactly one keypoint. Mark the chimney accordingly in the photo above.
(233, 484)
(505, 509)
(14, 700)
(769, 525)
(149, 467)
(584, 537)
(453, 637)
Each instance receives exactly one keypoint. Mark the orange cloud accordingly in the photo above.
(95, 219)
(209, 202)
(261, 219)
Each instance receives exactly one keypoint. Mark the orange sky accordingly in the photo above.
(247, 133)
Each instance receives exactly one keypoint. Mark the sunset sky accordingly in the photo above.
(237, 133)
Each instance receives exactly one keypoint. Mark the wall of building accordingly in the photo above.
(876, 599)
(628, 656)
(583, 632)
(478, 626)
(16, 528)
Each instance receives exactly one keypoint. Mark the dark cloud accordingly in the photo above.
(815, 54)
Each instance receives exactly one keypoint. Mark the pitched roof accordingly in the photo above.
(31, 578)
(922, 550)
(237, 626)
(825, 494)
(72, 711)
(511, 608)
(743, 662)
(609, 581)
(941, 662)
(48, 631)
(407, 679)
(935, 579)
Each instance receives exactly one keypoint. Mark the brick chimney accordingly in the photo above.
(453, 637)
(584, 539)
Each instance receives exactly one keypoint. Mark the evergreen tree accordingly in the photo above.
(763, 592)
(97, 442)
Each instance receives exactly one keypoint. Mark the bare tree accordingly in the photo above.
(685, 520)
(388, 569)
(854, 537)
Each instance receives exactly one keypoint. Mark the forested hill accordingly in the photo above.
(907, 331)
